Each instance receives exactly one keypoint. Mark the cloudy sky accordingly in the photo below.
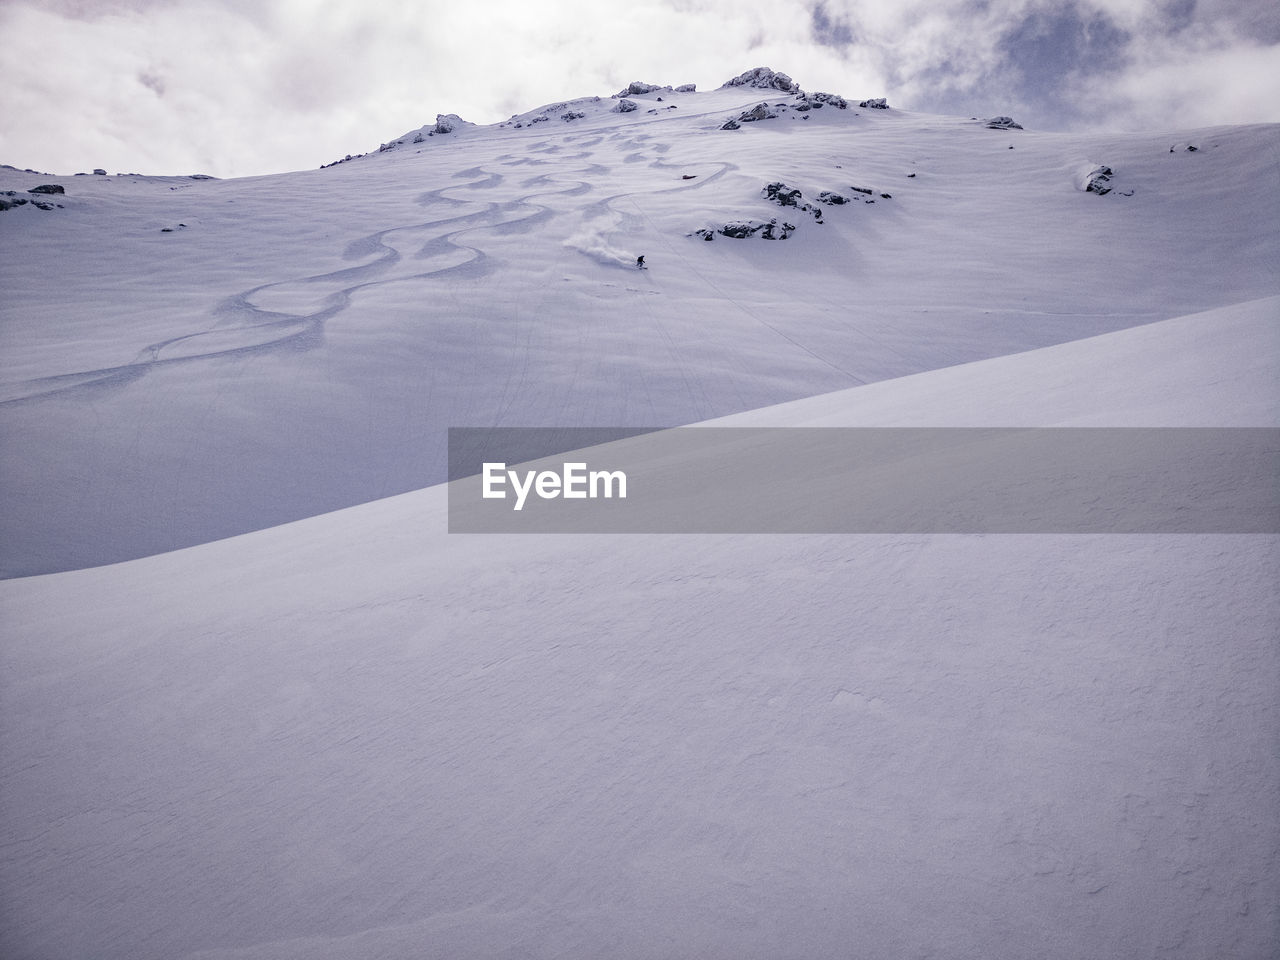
(243, 87)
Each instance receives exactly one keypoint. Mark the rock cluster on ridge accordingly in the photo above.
(784, 196)
(763, 78)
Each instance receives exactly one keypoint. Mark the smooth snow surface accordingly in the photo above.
(356, 736)
(304, 341)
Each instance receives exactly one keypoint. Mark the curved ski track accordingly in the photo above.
(243, 326)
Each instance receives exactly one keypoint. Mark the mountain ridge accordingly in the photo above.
(323, 328)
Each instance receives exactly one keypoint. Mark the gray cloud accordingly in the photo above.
(829, 31)
(152, 81)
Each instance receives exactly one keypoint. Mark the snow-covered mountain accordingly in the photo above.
(357, 735)
(300, 343)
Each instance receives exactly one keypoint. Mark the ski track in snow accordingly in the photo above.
(243, 327)
(489, 282)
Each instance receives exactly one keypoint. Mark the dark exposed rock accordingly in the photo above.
(866, 190)
(447, 122)
(831, 198)
(1002, 123)
(1098, 180)
(625, 106)
(739, 230)
(334, 164)
(730, 125)
(572, 115)
(874, 103)
(686, 88)
(743, 229)
(817, 99)
(775, 231)
(781, 194)
(638, 88)
(99, 172)
(785, 196)
(47, 188)
(760, 111)
(764, 78)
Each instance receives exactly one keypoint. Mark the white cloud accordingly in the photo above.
(239, 87)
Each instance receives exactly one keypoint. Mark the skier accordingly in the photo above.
(640, 262)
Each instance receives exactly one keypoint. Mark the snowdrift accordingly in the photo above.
(358, 736)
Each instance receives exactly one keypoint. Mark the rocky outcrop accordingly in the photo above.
(1095, 178)
(781, 194)
(1002, 123)
(804, 103)
(349, 157)
(47, 188)
(638, 88)
(785, 196)
(763, 78)
(744, 229)
(816, 101)
(447, 123)
(875, 103)
(760, 111)
(1098, 180)
(625, 106)
(9, 199)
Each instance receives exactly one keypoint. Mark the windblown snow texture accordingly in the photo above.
(356, 735)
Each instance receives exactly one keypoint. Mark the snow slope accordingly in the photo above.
(300, 343)
(357, 736)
